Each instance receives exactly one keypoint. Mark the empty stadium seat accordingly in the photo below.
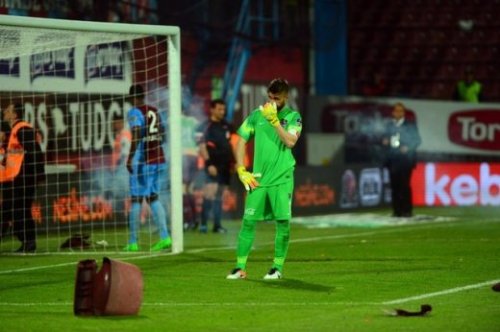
(420, 47)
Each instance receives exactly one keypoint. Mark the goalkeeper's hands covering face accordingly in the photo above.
(247, 178)
(270, 112)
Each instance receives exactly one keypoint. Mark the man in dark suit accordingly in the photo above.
(401, 139)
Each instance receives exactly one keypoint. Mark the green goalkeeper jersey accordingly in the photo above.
(272, 158)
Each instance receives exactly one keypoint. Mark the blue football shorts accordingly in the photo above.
(145, 179)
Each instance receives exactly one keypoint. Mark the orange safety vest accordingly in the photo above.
(14, 155)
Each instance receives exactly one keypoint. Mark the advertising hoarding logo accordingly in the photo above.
(479, 129)
(58, 64)
(457, 184)
(370, 186)
(314, 194)
(105, 61)
(10, 67)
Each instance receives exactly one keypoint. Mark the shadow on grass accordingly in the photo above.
(113, 318)
(295, 284)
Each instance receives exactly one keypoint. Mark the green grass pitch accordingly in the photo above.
(336, 278)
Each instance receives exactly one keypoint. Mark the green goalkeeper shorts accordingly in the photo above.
(269, 203)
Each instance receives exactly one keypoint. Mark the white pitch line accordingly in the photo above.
(193, 251)
(34, 268)
(187, 304)
(199, 250)
(443, 292)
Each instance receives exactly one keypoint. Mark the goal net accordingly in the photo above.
(72, 79)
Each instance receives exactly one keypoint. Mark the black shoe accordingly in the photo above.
(220, 230)
(27, 247)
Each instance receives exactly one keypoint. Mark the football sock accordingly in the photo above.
(135, 212)
(217, 206)
(205, 210)
(281, 243)
(160, 218)
(189, 208)
(245, 241)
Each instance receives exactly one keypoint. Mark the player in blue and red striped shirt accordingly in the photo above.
(146, 161)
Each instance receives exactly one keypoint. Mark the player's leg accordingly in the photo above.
(209, 191)
(217, 209)
(187, 208)
(255, 210)
(280, 198)
(136, 192)
(223, 182)
(160, 219)
(23, 223)
(6, 206)
(395, 178)
(406, 194)
(281, 242)
(189, 170)
(133, 223)
(159, 214)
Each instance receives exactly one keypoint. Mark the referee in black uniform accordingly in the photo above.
(214, 140)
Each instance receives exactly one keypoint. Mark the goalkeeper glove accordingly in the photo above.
(247, 178)
(270, 112)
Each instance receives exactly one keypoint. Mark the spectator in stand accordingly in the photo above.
(468, 89)
(214, 141)
(376, 87)
(401, 139)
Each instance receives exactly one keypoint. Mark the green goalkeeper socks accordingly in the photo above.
(245, 241)
(281, 243)
(247, 236)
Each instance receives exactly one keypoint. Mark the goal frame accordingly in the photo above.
(173, 39)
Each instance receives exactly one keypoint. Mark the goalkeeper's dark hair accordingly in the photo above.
(278, 85)
(215, 102)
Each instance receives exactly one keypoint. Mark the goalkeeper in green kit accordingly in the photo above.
(276, 128)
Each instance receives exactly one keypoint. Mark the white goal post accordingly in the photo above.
(76, 83)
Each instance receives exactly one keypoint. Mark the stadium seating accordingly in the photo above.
(420, 48)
